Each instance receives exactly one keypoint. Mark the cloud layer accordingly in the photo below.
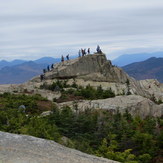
(32, 29)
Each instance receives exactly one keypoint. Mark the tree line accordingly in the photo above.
(120, 137)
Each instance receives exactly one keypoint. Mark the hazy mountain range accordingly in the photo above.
(131, 58)
(19, 71)
(4, 63)
(44, 60)
(151, 68)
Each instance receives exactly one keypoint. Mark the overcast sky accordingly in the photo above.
(31, 29)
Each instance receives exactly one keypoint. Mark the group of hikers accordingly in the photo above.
(49, 68)
(67, 57)
(81, 53)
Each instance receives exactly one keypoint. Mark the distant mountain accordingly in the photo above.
(44, 60)
(131, 58)
(47, 60)
(16, 62)
(4, 63)
(20, 73)
(149, 69)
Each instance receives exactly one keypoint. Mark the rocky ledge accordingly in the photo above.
(27, 149)
(134, 104)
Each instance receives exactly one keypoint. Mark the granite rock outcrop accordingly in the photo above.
(93, 66)
(27, 149)
(136, 105)
(95, 69)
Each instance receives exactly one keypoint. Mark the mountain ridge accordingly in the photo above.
(126, 59)
(20, 71)
(151, 68)
(43, 60)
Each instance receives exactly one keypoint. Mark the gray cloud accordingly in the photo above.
(32, 29)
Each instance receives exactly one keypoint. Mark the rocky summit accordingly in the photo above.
(93, 67)
(27, 149)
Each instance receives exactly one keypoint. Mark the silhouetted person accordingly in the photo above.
(48, 68)
(44, 70)
(68, 57)
(79, 53)
(52, 66)
(85, 52)
(88, 51)
(62, 58)
(98, 49)
(41, 77)
(82, 52)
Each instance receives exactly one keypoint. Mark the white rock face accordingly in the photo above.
(27, 149)
(136, 105)
(28, 89)
(153, 87)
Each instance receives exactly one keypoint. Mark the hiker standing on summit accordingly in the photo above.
(79, 53)
(62, 58)
(98, 49)
(68, 57)
(48, 68)
(88, 51)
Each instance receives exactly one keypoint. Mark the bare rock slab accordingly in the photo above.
(135, 104)
(27, 149)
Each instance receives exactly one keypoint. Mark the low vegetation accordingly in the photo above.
(116, 136)
(71, 92)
